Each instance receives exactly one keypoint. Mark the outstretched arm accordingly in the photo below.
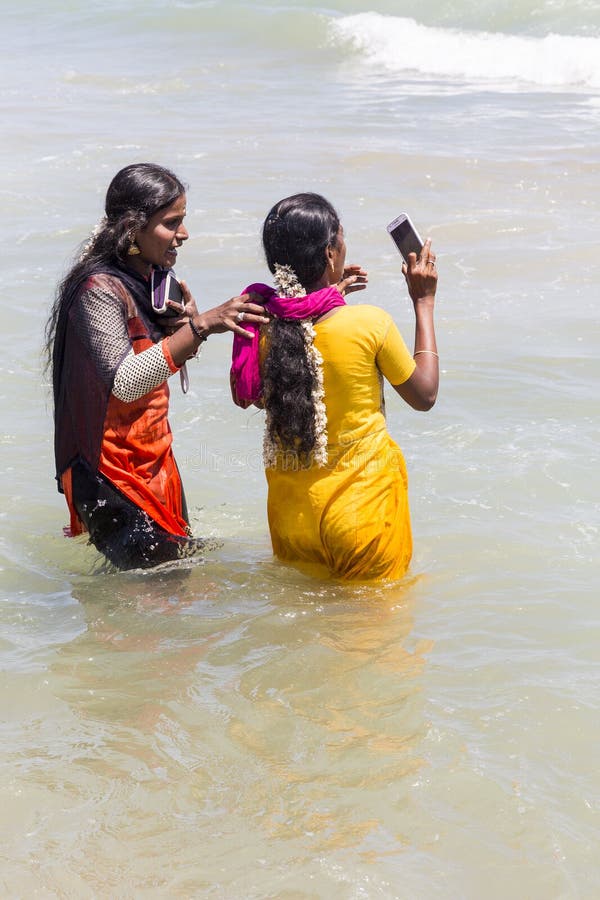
(420, 390)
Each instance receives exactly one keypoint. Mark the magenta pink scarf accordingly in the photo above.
(246, 380)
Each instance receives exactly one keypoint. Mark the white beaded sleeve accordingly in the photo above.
(140, 373)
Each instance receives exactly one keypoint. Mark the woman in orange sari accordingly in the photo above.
(337, 483)
(111, 356)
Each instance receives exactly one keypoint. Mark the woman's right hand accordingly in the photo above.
(421, 274)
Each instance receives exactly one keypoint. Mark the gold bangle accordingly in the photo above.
(433, 353)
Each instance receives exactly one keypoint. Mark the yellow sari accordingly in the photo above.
(352, 515)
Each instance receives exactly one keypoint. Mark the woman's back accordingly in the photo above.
(333, 514)
(358, 344)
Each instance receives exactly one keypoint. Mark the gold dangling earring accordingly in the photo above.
(133, 250)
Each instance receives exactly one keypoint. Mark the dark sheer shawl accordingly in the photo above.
(80, 395)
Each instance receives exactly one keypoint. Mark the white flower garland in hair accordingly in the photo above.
(315, 361)
(269, 445)
(288, 285)
(92, 238)
(287, 282)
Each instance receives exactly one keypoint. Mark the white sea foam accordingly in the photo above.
(403, 45)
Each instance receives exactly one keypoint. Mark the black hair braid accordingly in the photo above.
(288, 381)
(297, 233)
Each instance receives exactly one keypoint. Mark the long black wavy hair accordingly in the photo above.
(134, 195)
(297, 233)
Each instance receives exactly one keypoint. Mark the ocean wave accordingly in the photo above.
(397, 45)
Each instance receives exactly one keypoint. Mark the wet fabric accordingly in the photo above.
(351, 516)
(120, 530)
(121, 475)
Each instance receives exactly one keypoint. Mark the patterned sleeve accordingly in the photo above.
(101, 321)
(140, 373)
(394, 359)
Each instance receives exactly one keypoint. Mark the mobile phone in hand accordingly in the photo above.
(164, 286)
(405, 236)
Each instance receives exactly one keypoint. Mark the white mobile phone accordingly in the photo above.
(164, 286)
(405, 236)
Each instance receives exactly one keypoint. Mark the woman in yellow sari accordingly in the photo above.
(337, 483)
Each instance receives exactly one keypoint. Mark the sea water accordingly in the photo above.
(235, 728)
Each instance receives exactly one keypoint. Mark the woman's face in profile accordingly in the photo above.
(337, 258)
(160, 239)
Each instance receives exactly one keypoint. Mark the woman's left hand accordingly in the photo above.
(355, 278)
(229, 315)
(184, 342)
(226, 317)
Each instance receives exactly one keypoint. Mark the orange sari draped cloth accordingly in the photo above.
(136, 454)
